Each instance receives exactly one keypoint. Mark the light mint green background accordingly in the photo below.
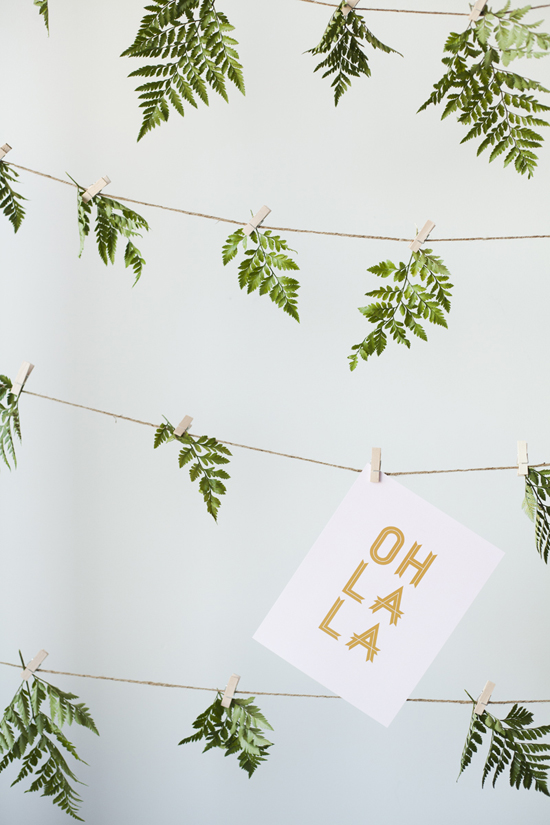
(109, 559)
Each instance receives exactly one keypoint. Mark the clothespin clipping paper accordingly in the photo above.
(375, 462)
(33, 665)
(184, 425)
(230, 690)
(24, 371)
(483, 700)
(95, 188)
(350, 5)
(254, 222)
(4, 150)
(523, 459)
(477, 9)
(422, 235)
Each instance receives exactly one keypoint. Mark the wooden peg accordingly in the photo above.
(523, 459)
(422, 235)
(4, 150)
(477, 9)
(95, 188)
(375, 462)
(24, 371)
(258, 218)
(350, 5)
(184, 425)
(230, 690)
(483, 700)
(33, 665)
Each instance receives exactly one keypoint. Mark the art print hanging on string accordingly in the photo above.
(378, 595)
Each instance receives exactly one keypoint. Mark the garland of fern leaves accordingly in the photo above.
(236, 730)
(495, 103)
(10, 424)
(191, 39)
(513, 745)
(29, 735)
(537, 506)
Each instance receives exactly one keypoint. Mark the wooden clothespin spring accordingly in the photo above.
(523, 459)
(33, 665)
(422, 236)
(93, 190)
(258, 218)
(184, 425)
(230, 690)
(375, 462)
(4, 150)
(483, 700)
(24, 371)
(477, 8)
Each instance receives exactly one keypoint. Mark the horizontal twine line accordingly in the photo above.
(264, 692)
(284, 455)
(283, 228)
(406, 11)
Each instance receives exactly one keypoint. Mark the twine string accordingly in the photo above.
(234, 222)
(406, 11)
(264, 692)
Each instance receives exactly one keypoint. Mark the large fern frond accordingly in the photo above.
(537, 506)
(43, 10)
(10, 423)
(10, 200)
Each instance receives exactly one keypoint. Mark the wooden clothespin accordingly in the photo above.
(422, 235)
(477, 8)
(350, 5)
(4, 150)
(230, 690)
(95, 188)
(523, 459)
(483, 700)
(184, 425)
(24, 371)
(258, 218)
(375, 462)
(33, 665)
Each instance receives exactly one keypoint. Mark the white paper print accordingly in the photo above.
(378, 595)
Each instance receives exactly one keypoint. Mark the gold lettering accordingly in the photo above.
(399, 542)
(421, 566)
(367, 640)
(325, 624)
(347, 589)
(391, 603)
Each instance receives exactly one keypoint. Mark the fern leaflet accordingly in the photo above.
(537, 506)
(207, 454)
(10, 200)
(258, 268)
(495, 103)
(402, 307)
(192, 40)
(10, 424)
(236, 730)
(42, 6)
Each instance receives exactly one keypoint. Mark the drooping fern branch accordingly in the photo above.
(113, 220)
(342, 42)
(10, 424)
(514, 744)
(402, 307)
(43, 10)
(257, 269)
(29, 734)
(191, 39)
(537, 506)
(207, 454)
(495, 103)
(10, 200)
(236, 729)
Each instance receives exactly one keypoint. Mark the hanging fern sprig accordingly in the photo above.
(192, 40)
(513, 745)
(113, 220)
(28, 734)
(343, 42)
(236, 730)
(402, 307)
(10, 424)
(10, 200)
(495, 103)
(43, 11)
(537, 506)
(258, 268)
(207, 454)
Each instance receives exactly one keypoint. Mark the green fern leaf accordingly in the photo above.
(10, 200)
(42, 6)
(537, 506)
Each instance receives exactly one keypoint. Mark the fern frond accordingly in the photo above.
(342, 42)
(42, 6)
(10, 200)
(10, 424)
(422, 292)
(493, 102)
(207, 454)
(537, 506)
(236, 730)
(192, 40)
(258, 268)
